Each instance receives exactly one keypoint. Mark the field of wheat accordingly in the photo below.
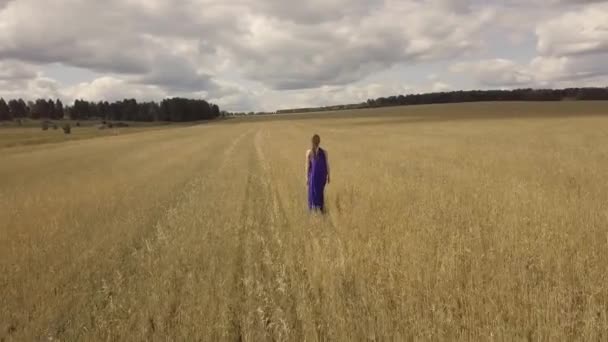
(459, 222)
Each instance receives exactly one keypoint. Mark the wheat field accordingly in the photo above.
(459, 222)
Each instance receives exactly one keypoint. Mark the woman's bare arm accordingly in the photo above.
(327, 164)
(307, 167)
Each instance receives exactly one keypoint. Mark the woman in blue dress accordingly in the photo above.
(317, 175)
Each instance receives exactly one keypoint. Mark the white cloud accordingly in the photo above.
(572, 51)
(440, 86)
(14, 70)
(19, 79)
(265, 54)
(286, 54)
(575, 32)
(39, 87)
(271, 100)
(495, 72)
(280, 44)
(555, 72)
(113, 89)
(570, 68)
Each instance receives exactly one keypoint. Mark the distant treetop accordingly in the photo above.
(570, 94)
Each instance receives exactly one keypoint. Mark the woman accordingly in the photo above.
(317, 175)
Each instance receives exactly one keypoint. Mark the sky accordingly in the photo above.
(264, 55)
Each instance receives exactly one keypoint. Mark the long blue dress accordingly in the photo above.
(317, 180)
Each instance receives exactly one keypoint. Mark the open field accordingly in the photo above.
(31, 133)
(470, 222)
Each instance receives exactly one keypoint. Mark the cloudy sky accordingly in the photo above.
(271, 54)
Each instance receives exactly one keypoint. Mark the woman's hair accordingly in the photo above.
(316, 141)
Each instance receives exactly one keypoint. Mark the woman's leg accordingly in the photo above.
(311, 197)
(319, 198)
(322, 199)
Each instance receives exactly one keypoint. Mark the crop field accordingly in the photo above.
(483, 221)
(12, 135)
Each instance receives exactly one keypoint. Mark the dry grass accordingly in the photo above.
(456, 229)
(31, 133)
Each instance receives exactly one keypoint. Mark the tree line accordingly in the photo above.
(173, 109)
(573, 94)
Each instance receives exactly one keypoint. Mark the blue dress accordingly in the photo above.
(317, 176)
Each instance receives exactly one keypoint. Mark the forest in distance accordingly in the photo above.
(187, 110)
(462, 96)
(170, 110)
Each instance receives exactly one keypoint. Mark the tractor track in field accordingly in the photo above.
(229, 151)
(279, 215)
(260, 280)
(196, 195)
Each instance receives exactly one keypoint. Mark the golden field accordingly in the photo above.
(12, 135)
(457, 222)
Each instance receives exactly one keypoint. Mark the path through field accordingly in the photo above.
(471, 229)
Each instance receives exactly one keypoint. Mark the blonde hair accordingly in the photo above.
(316, 141)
